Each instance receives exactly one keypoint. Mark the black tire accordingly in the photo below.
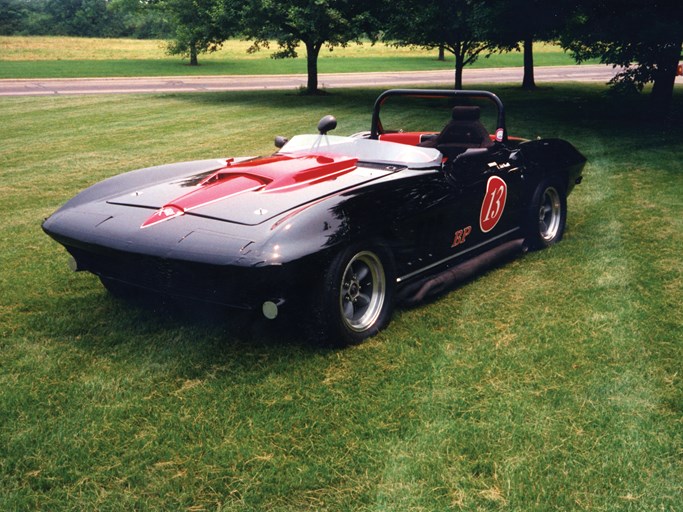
(547, 215)
(356, 299)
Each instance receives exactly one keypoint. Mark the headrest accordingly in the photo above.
(465, 113)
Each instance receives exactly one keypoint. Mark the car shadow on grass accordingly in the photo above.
(208, 320)
(192, 339)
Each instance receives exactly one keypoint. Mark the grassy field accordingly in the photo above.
(551, 383)
(65, 57)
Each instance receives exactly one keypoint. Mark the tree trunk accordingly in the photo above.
(528, 81)
(312, 51)
(193, 55)
(665, 78)
(442, 52)
(459, 65)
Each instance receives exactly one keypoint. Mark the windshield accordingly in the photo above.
(365, 150)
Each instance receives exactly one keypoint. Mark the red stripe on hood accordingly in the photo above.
(272, 174)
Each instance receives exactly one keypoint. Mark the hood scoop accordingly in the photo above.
(275, 174)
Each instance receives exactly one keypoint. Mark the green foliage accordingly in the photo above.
(330, 23)
(85, 18)
(647, 40)
(550, 383)
(139, 19)
(512, 22)
(12, 13)
(200, 26)
(458, 26)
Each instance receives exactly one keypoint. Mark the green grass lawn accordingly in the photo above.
(69, 57)
(551, 383)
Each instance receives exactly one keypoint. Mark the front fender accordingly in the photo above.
(313, 229)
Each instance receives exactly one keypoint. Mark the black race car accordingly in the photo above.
(333, 229)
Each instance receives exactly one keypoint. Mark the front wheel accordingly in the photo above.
(356, 299)
(547, 215)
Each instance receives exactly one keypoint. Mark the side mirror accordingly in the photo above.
(280, 141)
(327, 124)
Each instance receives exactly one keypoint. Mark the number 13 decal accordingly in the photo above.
(494, 203)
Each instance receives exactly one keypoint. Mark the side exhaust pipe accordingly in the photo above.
(449, 278)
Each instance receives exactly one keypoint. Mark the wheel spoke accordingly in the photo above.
(348, 309)
(549, 214)
(362, 273)
(363, 300)
(543, 212)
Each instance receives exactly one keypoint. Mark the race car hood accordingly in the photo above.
(249, 192)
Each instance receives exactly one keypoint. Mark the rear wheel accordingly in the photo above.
(356, 299)
(547, 215)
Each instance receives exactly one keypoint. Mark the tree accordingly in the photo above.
(646, 39)
(525, 21)
(93, 18)
(455, 24)
(316, 24)
(142, 19)
(87, 18)
(12, 13)
(198, 25)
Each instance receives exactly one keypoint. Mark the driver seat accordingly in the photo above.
(462, 132)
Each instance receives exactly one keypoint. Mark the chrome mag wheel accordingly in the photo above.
(363, 291)
(549, 214)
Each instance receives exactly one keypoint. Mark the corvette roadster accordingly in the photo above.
(334, 229)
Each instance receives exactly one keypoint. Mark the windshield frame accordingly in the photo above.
(376, 128)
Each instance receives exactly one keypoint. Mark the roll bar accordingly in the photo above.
(376, 129)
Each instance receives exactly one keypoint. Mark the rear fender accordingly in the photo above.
(552, 157)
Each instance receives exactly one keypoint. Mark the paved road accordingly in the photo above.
(41, 87)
